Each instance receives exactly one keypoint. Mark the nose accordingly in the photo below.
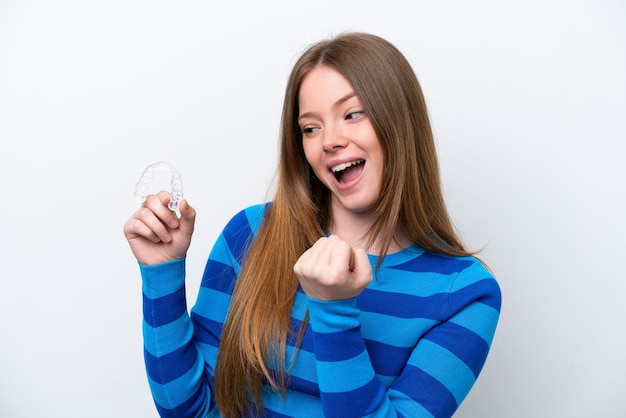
(334, 138)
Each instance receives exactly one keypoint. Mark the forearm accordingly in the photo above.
(346, 377)
(173, 363)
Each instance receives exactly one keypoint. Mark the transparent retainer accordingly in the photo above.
(176, 192)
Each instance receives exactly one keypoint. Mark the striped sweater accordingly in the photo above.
(411, 344)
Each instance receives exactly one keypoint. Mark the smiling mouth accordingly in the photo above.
(347, 171)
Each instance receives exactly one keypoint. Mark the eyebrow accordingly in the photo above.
(340, 101)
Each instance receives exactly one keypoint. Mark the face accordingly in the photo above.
(339, 142)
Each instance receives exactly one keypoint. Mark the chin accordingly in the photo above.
(359, 208)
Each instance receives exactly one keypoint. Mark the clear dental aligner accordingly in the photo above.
(176, 193)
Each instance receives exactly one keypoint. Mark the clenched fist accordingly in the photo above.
(332, 270)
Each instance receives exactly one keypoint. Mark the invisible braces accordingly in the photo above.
(176, 194)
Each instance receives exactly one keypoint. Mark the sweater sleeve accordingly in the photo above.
(441, 368)
(346, 378)
(174, 364)
(180, 347)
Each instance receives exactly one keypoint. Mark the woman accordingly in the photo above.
(347, 295)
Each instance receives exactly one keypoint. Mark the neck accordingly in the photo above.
(353, 229)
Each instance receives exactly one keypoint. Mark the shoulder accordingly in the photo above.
(476, 283)
(468, 285)
(417, 260)
(467, 275)
(445, 274)
(235, 238)
(247, 220)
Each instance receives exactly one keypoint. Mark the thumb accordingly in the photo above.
(187, 216)
(360, 265)
(362, 271)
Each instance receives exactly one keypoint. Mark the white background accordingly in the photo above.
(528, 104)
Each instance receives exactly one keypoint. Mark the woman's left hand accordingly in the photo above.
(332, 270)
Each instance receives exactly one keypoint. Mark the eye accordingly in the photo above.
(355, 115)
(308, 130)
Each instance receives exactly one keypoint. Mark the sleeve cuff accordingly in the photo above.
(333, 316)
(162, 279)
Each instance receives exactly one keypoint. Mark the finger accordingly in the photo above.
(352, 261)
(317, 250)
(187, 212)
(309, 262)
(158, 205)
(136, 228)
(341, 255)
(187, 217)
(164, 196)
(154, 224)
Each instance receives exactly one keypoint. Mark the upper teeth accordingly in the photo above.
(343, 166)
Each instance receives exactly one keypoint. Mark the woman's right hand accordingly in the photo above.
(155, 234)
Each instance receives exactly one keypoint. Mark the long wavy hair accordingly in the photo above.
(253, 346)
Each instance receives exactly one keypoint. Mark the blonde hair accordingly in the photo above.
(259, 319)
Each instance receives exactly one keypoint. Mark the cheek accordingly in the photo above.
(379, 171)
(310, 155)
(314, 159)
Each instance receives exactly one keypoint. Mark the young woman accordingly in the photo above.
(348, 294)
